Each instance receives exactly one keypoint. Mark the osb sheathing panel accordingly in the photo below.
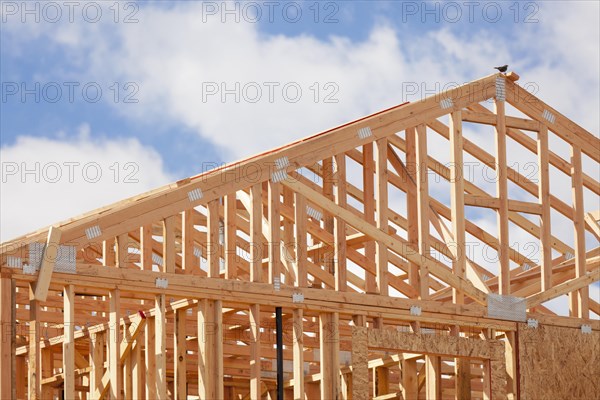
(558, 363)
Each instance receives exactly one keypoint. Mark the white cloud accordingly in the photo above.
(46, 180)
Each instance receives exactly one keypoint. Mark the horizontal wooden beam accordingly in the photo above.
(493, 202)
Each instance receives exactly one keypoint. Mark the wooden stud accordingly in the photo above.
(210, 349)
(114, 346)
(412, 203)
(213, 247)
(329, 355)
(543, 199)
(146, 247)
(97, 346)
(339, 228)
(409, 383)
(256, 242)
(381, 200)
(274, 232)
(169, 244)
(300, 239)
(180, 352)
(502, 192)
(230, 236)
(69, 342)
(298, 351)
(255, 381)
(137, 371)
(579, 227)
(160, 346)
(150, 358)
(34, 367)
(422, 206)
(369, 209)
(189, 259)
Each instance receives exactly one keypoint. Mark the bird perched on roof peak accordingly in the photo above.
(503, 68)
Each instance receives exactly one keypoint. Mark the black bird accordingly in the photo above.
(502, 68)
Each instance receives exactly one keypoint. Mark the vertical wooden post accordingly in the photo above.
(160, 346)
(180, 352)
(381, 200)
(423, 206)
(146, 247)
(189, 262)
(230, 236)
(210, 349)
(150, 358)
(369, 210)
(329, 355)
(328, 180)
(256, 253)
(137, 371)
(47, 370)
(34, 372)
(339, 226)
(114, 345)
(274, 232)
(69, 342)
(502, 192)
(579, 224)
(510, 365)
(544, 200)
(6, 328)
(457, 200)
(410, 383)
(97, 345)
(212, 247)
(412, 204)
(122, 253)
(169, 254)
(433, 387)
(300, 247)
(255, 382)
(298, 350)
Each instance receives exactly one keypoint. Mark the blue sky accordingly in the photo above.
(180, 82)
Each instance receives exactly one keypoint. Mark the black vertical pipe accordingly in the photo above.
(279, 333)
